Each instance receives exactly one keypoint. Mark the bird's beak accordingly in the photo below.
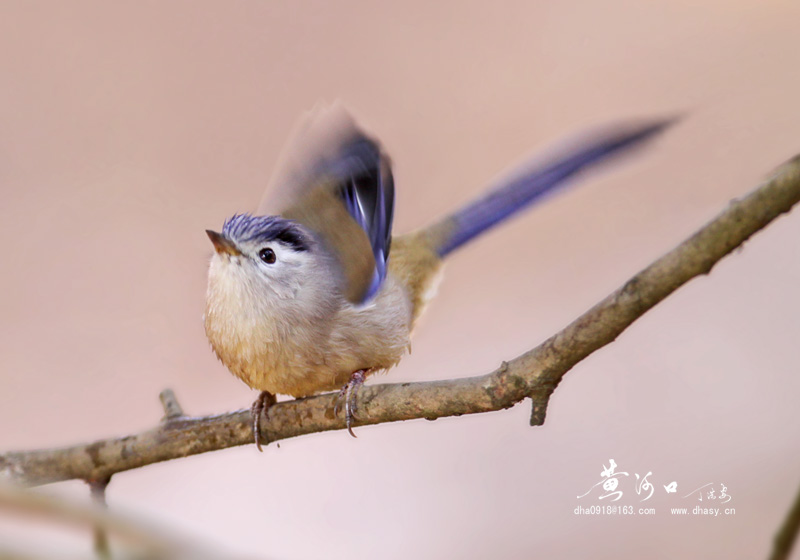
(222, 244)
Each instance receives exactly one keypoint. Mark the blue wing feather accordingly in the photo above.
(366, 186)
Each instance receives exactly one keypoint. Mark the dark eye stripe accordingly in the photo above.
(247, 228)
(293, 238)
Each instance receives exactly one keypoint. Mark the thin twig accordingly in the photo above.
(535, 374)
(172, 409)
(98, 491)
(787, 535)
(148, 540)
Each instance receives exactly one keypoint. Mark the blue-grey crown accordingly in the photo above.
(245, 228)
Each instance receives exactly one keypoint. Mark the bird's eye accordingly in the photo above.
(267, 255)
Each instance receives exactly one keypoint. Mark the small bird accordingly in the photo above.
(319, 295)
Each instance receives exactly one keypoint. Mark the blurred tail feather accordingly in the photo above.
(529, 186)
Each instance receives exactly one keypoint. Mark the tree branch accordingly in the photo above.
(534, 374)
(138, 539)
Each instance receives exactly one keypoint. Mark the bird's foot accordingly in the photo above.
(349, 393)
(261, 404)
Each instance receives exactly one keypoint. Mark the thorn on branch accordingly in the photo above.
(172, 409)
(97, 488)
(538, 409)
(540, 398)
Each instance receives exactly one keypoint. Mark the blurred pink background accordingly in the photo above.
(128, 128)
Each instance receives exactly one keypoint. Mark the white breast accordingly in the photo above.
(305, 344)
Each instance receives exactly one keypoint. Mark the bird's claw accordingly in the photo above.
(349, 394)
(261, 405)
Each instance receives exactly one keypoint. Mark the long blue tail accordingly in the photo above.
(530, 186)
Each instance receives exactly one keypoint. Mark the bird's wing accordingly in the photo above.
(336, 180)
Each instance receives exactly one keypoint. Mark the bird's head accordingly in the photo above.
(266, 255)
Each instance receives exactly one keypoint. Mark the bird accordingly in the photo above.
(312, 293)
